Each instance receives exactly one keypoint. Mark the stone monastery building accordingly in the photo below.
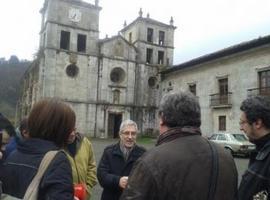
(112, 79)
(104, 80)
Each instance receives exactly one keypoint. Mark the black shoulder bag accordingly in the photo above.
(214, 172)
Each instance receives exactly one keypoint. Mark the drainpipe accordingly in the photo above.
(98, 82)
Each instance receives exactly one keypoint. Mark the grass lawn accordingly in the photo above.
(146, 141)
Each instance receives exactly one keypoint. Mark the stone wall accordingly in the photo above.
(241, 69)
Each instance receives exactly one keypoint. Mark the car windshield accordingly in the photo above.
(239, 137)
(213, 137)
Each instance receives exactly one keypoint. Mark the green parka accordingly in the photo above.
(83, 163)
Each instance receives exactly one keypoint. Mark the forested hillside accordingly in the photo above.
(11, 72)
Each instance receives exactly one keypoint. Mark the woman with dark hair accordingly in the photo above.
(50, 122)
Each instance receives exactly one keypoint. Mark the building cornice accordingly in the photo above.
(245, 46)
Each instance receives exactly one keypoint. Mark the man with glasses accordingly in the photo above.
(255, 123)
(117, 161)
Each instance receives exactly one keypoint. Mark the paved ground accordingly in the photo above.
(100, 144)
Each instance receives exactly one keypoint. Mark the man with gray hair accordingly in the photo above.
(117, 161)
(183, 165)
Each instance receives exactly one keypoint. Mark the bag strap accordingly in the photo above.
(1, 191)
(34, 185)
(214, 172)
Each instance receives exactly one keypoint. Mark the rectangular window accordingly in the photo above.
(150, 32)
(223, 86)
(223, 90)
(81, 43)
(222, 123)
(130, 37)
(149, 55)
(168, 61)
(64, 40)
(160, 57)
(264, 82)
(192, 88)
(161, 38)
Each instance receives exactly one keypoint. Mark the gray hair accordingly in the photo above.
(126, 123)
(180, 109)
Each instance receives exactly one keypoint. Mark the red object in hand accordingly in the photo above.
(80, 191)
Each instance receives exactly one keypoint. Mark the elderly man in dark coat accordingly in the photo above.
(184, 165)
(117, 161)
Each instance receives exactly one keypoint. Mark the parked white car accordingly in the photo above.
(235, 143)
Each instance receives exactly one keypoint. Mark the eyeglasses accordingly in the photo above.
(241, 122)
(128, 133)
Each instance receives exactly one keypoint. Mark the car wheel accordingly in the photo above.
(229, 151)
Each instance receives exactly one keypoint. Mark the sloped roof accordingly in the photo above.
(105, 40)
(221, 53)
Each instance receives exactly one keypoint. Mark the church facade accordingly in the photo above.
(104, 80)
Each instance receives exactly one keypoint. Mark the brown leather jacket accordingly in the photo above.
(180, 168)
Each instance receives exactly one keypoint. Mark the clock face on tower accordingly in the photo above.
(74, 15)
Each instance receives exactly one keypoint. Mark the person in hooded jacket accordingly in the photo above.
(50, 123)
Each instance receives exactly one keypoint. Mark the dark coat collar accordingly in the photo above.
(264, 151)
(136, 151)
(74, 147)
(35, 145)
(177, 132)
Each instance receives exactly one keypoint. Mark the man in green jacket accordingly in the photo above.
(81, 156)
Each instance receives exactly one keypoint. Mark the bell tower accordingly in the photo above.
(68, 48)
(68, 56)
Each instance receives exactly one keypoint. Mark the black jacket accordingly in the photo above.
(5, 124)
(112, 167)
(256, 179)
(180, 168)
(21, 166)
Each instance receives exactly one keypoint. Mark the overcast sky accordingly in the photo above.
(203, 26)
